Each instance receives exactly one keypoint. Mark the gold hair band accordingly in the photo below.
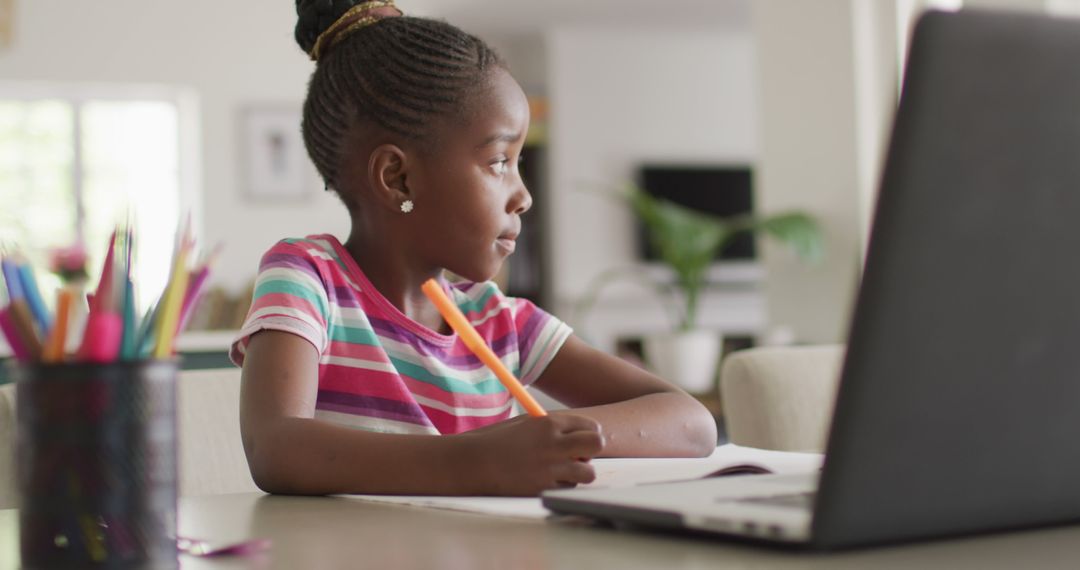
(359, 16)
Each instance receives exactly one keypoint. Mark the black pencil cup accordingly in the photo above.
(96, 460)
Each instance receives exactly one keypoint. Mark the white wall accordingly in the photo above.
(232, 53)
(809, 156)
(876, 32)
(619, 97)
(525, 55)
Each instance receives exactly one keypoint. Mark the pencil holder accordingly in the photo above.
(96, 459)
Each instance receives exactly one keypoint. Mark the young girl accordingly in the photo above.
(350, 374)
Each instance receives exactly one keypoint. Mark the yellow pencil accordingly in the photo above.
(476, 344)
(174, 298)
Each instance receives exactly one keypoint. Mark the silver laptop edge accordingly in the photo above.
(694, 505)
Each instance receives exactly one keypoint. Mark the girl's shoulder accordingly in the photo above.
(318, 260)
(321, 253)
(316, 247)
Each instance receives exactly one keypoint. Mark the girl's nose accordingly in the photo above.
(521, 201)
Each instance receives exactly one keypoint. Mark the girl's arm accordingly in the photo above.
(288, 451)
(639, 414)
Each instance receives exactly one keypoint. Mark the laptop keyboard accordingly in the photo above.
(796, 500)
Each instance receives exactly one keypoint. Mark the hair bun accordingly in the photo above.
(315, 16)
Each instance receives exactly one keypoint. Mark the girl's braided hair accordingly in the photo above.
(400, 73)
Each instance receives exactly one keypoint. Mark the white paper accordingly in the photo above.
(618, 473)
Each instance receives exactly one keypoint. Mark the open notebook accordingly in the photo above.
(727, 460)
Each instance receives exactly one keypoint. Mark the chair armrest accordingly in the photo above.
(780, 397)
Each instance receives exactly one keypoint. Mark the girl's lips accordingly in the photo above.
(506, 245)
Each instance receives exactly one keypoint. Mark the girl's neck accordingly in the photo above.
(395, 276)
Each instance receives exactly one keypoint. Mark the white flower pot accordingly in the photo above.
(688, 359)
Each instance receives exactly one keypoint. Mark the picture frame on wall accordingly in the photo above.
(276, 165)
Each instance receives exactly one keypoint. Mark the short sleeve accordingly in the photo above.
(540, 336)
(290, 296)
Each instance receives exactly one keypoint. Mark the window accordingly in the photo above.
(76, 161)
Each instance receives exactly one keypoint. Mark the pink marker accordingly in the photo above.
(101, 339)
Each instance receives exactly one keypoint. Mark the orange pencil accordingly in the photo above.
(472, 339)
(54, 346)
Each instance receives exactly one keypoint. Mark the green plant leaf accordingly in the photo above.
(798, 231)
(687, 240)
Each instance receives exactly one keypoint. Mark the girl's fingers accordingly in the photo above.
(583, 444)
(574, 472)
(570, 423)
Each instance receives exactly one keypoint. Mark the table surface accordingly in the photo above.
(339, 532)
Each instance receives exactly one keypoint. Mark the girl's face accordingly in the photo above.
(468, 193)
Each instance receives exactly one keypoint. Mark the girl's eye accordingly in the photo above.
(501, 167)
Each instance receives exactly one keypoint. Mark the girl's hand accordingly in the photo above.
(526, 455)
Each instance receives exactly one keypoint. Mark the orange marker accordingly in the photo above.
(54, 347)
(472, 339)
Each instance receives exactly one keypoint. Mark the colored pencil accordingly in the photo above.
(103, 293)
(112, 328)
(33, 296)
(54, 347)
(476, 344)
(171, 303)
(195, 289)
(129, 345)
(129, 340)
(101, 339)
(11, 277)
(145, 341)
(11, 334)
(104, 326)
(24, 326)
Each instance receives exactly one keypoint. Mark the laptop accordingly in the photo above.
(958, 409)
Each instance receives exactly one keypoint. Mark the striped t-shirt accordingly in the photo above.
(381, 371)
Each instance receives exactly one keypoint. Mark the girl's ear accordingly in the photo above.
(388, 166)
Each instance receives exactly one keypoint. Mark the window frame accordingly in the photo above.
(186, 101)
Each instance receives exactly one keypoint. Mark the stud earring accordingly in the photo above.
(407, 206)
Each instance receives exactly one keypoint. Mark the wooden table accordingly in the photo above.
(338, 532)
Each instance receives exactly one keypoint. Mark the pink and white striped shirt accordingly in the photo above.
(378, 369)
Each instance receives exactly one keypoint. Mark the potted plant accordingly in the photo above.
(687, 241)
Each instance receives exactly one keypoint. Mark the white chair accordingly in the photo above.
(211, 455)
(780, 397)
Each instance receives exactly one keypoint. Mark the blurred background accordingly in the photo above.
(118, 108)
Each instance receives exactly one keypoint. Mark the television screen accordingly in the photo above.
(719, 190)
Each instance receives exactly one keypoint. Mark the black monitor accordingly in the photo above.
(721, 190)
